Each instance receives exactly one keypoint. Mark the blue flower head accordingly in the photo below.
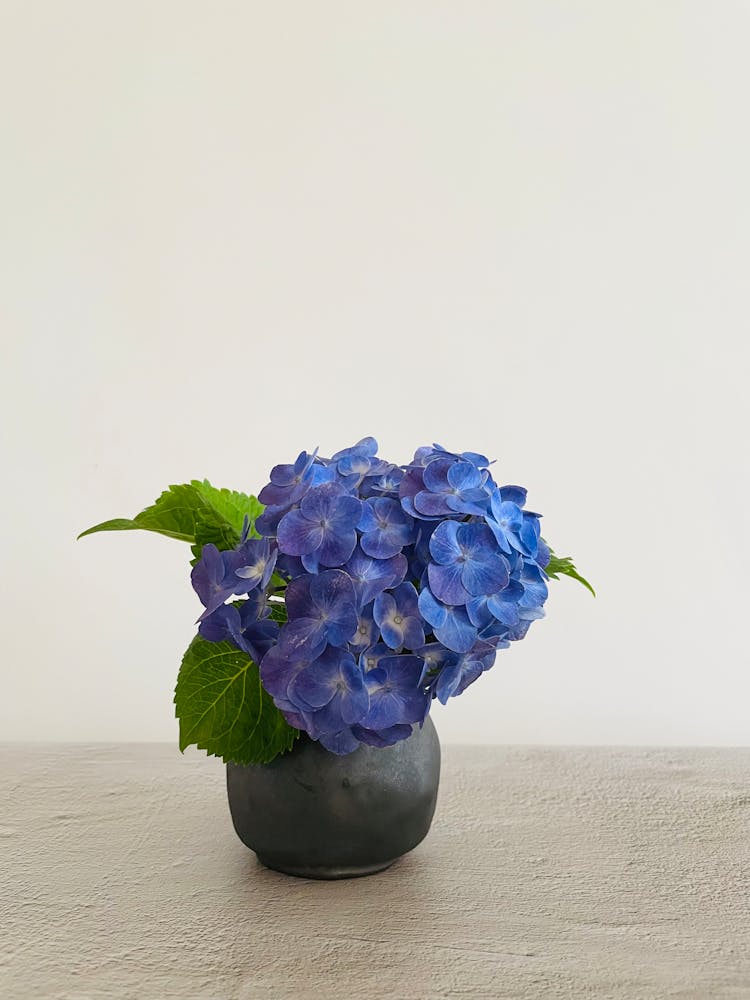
(399, 585)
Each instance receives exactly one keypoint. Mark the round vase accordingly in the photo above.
(315, 814)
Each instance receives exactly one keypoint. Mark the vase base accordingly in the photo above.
(324, 871)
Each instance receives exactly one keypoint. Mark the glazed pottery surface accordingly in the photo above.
(315, 814)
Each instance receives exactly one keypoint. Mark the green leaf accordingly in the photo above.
(174, 514)
(563, 566)
(230, 505)
(224, 709)
(194, 512)
(278, 612)
(222, 520)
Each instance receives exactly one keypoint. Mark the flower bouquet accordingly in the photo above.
(337, 606)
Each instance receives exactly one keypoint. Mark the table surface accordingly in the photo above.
(549, 872)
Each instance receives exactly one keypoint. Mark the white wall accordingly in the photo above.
(233, 230)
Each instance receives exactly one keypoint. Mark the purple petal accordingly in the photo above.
(382, 737)
(302, 639)
(336, 549)
(318, 503)
(437, 475)
(340, 743)
(383, 609)
(311, 687)
(384, 544)
(431, 504)
(297, 535)
(297, 597)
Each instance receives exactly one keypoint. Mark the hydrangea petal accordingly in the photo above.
(444, 547)
(456, 632)
(298, 535)
(446, 583)
(483, 577)
(382, 737)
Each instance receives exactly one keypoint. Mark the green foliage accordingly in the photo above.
(563, 566)
(223, 708)
(278, 612)
(194, 512)
(230, 505)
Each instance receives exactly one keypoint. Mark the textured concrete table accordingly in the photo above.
(596, 873)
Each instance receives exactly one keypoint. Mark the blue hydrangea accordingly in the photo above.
(376, 588)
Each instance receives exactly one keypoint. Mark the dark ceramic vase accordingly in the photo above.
(314, 814)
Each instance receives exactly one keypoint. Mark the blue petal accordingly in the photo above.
(302, 639)
(222, 625)
(298, 536)
(267, 522)
(311, 562)
(430, 505)
(407, 504)
(413, 633)
(406, 599)
(310, 690)
(354, 705)
(345, 514)
(456, 632)
(436, 476)
(383, 608)
(382, 737)
(336, 549)
(475, 538)
(385, 710)
(445, 583)
(506, 513)
(515, 494)
(284, 475)
(431, 610)
(392, 634)
(368, 520)
(478, 612)
(332, 589)
(318, 503)
(382, 544)
(297, 597)
(340, 743)
(543, 553)
(370, 659)
(500, 536)
(448, 681)
(444, 547)
(367, 446)
(484, 577)
(277, 671)
(463, 505)
(470, 673)
(463, 476)
(506, 612)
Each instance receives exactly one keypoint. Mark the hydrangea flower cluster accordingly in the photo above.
(376, 588)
